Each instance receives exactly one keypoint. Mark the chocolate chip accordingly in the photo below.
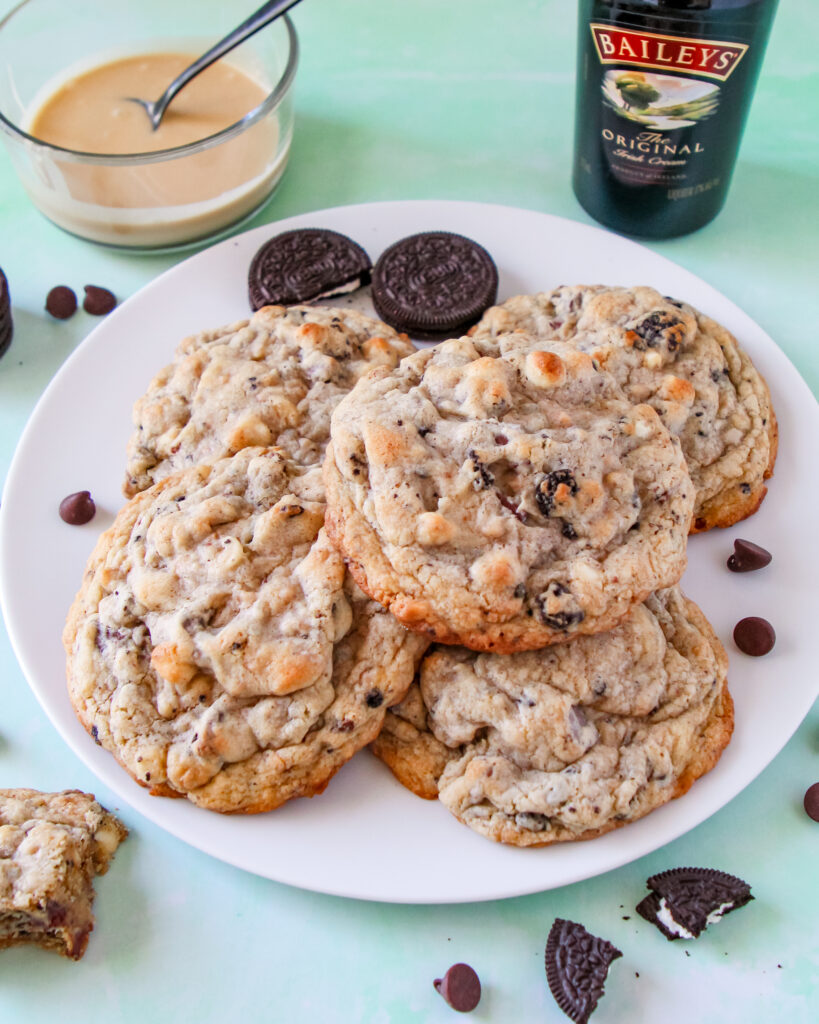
(61, 302)
(812, 801)
(98, 301)
(78, 508)
(577, 964)
(461, 987)
(374, 699)
(754, 635)
(748, 556)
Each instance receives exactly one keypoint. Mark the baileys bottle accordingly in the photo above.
(663, 92)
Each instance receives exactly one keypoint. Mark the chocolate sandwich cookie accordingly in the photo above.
(684, 901)
(434, 285)
(305, 265)
(6, 325)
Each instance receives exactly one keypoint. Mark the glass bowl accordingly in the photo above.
(170, 197)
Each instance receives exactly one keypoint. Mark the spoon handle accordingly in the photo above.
(263, 16)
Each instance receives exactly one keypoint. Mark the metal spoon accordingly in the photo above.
(266, 13)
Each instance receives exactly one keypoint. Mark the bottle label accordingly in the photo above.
(654, 86)
(632, 48)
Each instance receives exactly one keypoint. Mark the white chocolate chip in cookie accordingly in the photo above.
(497, 569)
(248, 431)
(434, 529)
(545, 369)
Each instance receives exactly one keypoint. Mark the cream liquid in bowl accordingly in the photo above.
(169, 200)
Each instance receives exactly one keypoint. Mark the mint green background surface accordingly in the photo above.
(462, 99)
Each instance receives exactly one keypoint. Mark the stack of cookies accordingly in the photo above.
(314, 504)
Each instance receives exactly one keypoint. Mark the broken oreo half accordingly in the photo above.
(434, 285)
(305, 265)
(684, 901)
(577, 964)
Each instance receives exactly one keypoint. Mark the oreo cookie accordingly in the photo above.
(301, 266)
(434, 285)
(577, 964)
(684, 901)
(6, 325)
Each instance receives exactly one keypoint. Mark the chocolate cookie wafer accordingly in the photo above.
(434, 285)
(306, 265)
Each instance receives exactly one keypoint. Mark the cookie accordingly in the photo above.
(504, 501)
(684, 901)
(684, 364)
(217, 647)
(434, 285)
(6, 324)
(305, 265)
(577, 965)
(273, 379)
(572, 741)
(52, 845)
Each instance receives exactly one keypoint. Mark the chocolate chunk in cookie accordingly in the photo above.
(434, 285)
(304, 265)
(684, 901)
(577, 964)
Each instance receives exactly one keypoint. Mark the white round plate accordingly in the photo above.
(366, 836)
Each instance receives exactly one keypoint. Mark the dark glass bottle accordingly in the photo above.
(663, 92)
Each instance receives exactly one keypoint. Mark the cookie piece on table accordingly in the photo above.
(684, 364)
(218, 648)
(684, 901)
(305, 265)
(52, 845)
(577, 965)
(6, 324)
(504, 501)
(434, 285)
(271, 380)
(572, 741)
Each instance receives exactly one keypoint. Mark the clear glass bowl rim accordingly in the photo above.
(270, 102)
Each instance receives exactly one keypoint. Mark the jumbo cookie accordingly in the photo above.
(689, 368)
(572, 741)
(271, 380)
(218, 648)
(504, 501)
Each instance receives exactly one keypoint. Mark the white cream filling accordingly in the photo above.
(666, 918)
